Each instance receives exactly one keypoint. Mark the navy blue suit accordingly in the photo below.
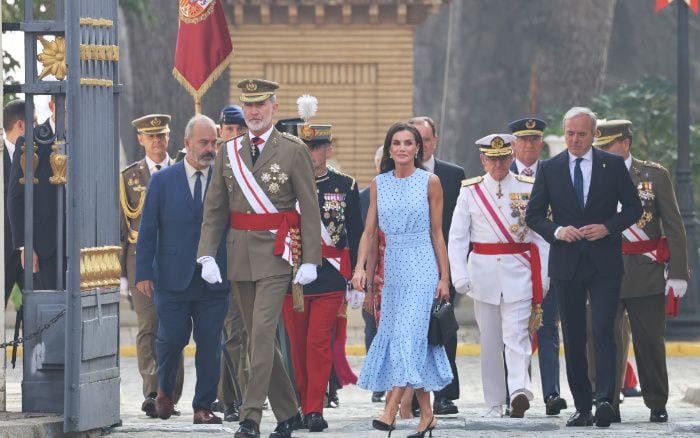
(548, 337)
(586, 268)
(166, 254)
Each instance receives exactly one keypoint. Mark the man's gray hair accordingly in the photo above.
(581, 111)
(196, 119)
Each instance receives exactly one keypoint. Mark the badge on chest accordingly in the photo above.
(334, 214)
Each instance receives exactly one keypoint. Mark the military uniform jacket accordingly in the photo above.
(493, 276)
(339, 200)
(643, 276)
(135, 179)
(285, 173)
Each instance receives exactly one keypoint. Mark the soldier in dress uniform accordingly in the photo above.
(505, 273)
(310, 332)
(258, 180)
(654, 244)
(153, 134)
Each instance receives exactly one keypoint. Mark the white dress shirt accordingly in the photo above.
(10, 147)
(586, 168)
(264, 136)
(152, 164)
(191, 173)
(519, 164)
(430, 164)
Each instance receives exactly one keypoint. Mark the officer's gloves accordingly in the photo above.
(677, 287)
(210, 270)
(355, 298)
(124, 286)
(463, 286)
(305, 274)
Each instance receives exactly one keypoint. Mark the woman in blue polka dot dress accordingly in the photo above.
(406, 203)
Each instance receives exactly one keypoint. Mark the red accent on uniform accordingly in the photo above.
(331, 252)
(281, 222)
(643, 246)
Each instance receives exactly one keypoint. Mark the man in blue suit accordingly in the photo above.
(166, 267)
(583, 187)
(528, 146)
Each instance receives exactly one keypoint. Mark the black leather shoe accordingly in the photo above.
(444, 406)
(658, 416)
(416, 412)
(579, 419)
(176, 411)
(604, 414)
(332, 400)
(554, 404)
(519, 405)
(631, 392)
(247, 429)
(284, 429)
(231, 412)
(149, 405)
(216, 406)
(316, 422)
(377, 397)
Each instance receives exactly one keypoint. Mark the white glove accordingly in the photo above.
(679, 287)
(357, 297)
(305, 274)
(463, 286)
(124, 286)
(210, 270)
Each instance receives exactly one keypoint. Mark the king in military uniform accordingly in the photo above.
(153, 134)
(505, 273)
(654, 244)
(310, 332)
(258, 180)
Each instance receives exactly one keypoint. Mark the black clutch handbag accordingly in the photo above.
(443, 324)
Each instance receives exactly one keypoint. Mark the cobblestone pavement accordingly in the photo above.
(352, 418)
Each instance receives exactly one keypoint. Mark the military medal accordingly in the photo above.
(274, 178)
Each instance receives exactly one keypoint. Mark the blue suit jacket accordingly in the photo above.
(610, 184)
(166, 251)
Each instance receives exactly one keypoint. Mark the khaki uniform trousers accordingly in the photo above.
(147, 323)
(261, 307)
(234, 358)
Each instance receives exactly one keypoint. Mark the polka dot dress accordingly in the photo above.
(400, 354)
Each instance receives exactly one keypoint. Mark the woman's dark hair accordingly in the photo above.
(387, 163)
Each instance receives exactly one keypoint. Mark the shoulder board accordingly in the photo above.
(471, 181)
(293, 138)
(344, 175)
(525, 179)
(134, 164)
(653, 164)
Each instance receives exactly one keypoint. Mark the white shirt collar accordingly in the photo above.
(430, 164)
(190, 171)
(519, 164)
(588, 156)
(152, 164)
(265, 136)
(628, 162)
(10, 148)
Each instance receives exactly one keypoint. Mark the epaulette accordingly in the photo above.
(471, 181)
(129, 167)
(338, 172)
(294, 138)
(653, 164)
(525, 179)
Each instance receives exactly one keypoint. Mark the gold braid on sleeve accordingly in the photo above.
(129, 212)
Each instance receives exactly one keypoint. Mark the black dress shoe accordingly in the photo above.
(216, 406)
(284, 429)
(658, 416)
(332, 400)
(378, 397)
(231, 412)
(604, 414)
(149, 405)
(444, 406)
(519, 405)
(554, 404)
(176, 411)
(247, 429)
(631, 392)
(316, 422)
(579, 419)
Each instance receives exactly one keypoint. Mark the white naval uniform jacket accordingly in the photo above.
(493, 276)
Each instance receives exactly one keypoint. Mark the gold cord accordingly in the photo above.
(129, 212)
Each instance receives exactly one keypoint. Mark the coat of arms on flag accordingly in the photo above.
(192, 11)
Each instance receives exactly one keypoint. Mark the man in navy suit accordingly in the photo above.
(451, 177)
(166, 268)
(528, 146)
(583, 187)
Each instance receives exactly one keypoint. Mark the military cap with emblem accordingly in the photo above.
(256, 90)
(313, 135)
(152, 124)
(527, 126)
(610, 131)
(232, 115)
(496, 145)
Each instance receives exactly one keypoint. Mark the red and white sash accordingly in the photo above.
(635, 234)
(253, 193)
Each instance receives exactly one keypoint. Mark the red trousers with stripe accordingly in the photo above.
(310, 333)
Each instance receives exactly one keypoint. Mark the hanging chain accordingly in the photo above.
(41, 329)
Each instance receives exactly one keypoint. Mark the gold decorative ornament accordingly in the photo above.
(497, 143)
(35, 164)
(58, 166)
(99, 267)
(530, 124)
(251, 86)
(53, 58)
(93, 82)
(130, 213)
(96, 22)
(535, 321)
(99, 52)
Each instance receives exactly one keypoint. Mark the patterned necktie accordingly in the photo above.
(578, 182)
(527, 172)
(198, 192)
(254, 151)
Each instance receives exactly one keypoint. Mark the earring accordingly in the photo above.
(416, 156)
(391, 157)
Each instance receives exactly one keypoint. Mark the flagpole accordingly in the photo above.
(197, 105)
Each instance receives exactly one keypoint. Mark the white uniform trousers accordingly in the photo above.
(504, 325)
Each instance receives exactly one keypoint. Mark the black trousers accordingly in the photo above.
(604, 292)
(13, 273)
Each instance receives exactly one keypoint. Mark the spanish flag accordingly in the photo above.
(204, 47)
(692, 4)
